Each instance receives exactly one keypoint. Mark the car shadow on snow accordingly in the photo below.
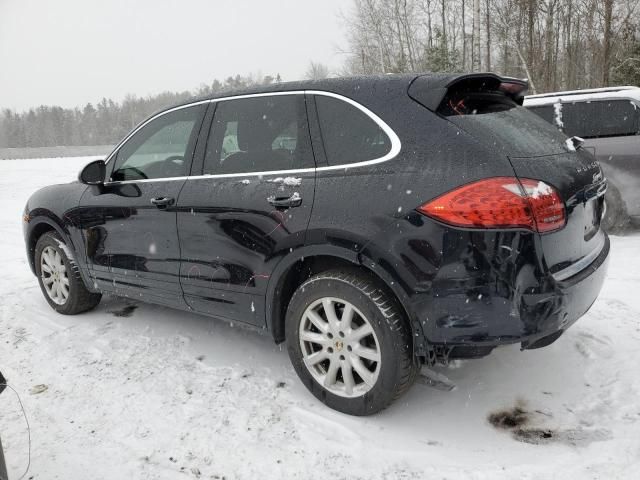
(525, 394)
(211, 340)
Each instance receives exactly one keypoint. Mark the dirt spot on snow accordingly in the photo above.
(534, 435)
(517, 420)
(125, 311)
(576, 437)
(510, 417)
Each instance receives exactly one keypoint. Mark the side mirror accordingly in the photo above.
(93, 173)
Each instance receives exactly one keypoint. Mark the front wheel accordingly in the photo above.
(349, 343)
(59, 278)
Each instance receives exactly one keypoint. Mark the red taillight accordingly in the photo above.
(501, 202)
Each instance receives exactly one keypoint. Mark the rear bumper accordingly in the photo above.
(534, 318)
(498, 307)
(466, 291)
(573, 297)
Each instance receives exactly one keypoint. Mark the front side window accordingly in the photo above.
(162, 148)
(259, 134)
(348, 134)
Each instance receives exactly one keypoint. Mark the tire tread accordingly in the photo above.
(81, 298)
(393, 317)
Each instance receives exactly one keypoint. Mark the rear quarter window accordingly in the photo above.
(349, 135)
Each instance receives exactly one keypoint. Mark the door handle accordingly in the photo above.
(162, 202)
(295, 200)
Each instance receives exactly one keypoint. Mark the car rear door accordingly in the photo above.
(129, 224)
(250, 206)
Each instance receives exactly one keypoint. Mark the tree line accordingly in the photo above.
(556, 44)
(104, 123)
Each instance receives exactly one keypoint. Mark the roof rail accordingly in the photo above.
(582, 92)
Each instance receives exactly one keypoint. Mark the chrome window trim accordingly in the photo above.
(150, 119)
(396, 145)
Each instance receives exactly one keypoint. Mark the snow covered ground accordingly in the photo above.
(152, 393)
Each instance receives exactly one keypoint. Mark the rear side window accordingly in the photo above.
(259, 134)
(349, 135)
(602, 118)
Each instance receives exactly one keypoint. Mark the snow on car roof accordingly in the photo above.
(623, 92)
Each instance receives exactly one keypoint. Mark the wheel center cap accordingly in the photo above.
(339, 345)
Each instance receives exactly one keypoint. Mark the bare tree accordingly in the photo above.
(476, 35)
(316, 71)
(606, 60)
(556, 44)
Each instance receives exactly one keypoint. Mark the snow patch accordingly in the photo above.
(288, 181)
(569, 144)
(67, 251)
(539, 190)
(557, 115)
(137, 372)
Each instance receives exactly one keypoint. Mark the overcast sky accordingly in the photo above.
(69, 52)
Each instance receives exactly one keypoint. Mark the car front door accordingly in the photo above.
(249, 208)
(129, 224)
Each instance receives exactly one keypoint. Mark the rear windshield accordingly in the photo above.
(515, 131)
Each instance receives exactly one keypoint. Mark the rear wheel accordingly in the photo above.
(615, 217)
(349, 343)
(59, 278)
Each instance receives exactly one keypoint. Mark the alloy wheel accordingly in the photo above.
(54, 275)
(339, 347)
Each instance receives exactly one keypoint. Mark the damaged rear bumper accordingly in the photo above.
(504, 303)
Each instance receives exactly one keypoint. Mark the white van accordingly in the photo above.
(608, 119)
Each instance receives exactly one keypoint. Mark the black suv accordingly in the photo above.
(375, 224)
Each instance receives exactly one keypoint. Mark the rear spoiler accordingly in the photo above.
(431, 90)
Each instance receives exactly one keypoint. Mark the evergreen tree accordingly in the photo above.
(103, 124)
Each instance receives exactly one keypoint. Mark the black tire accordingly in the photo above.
(615, 218)
(398, 367)
(3, 466)
(79, 299)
